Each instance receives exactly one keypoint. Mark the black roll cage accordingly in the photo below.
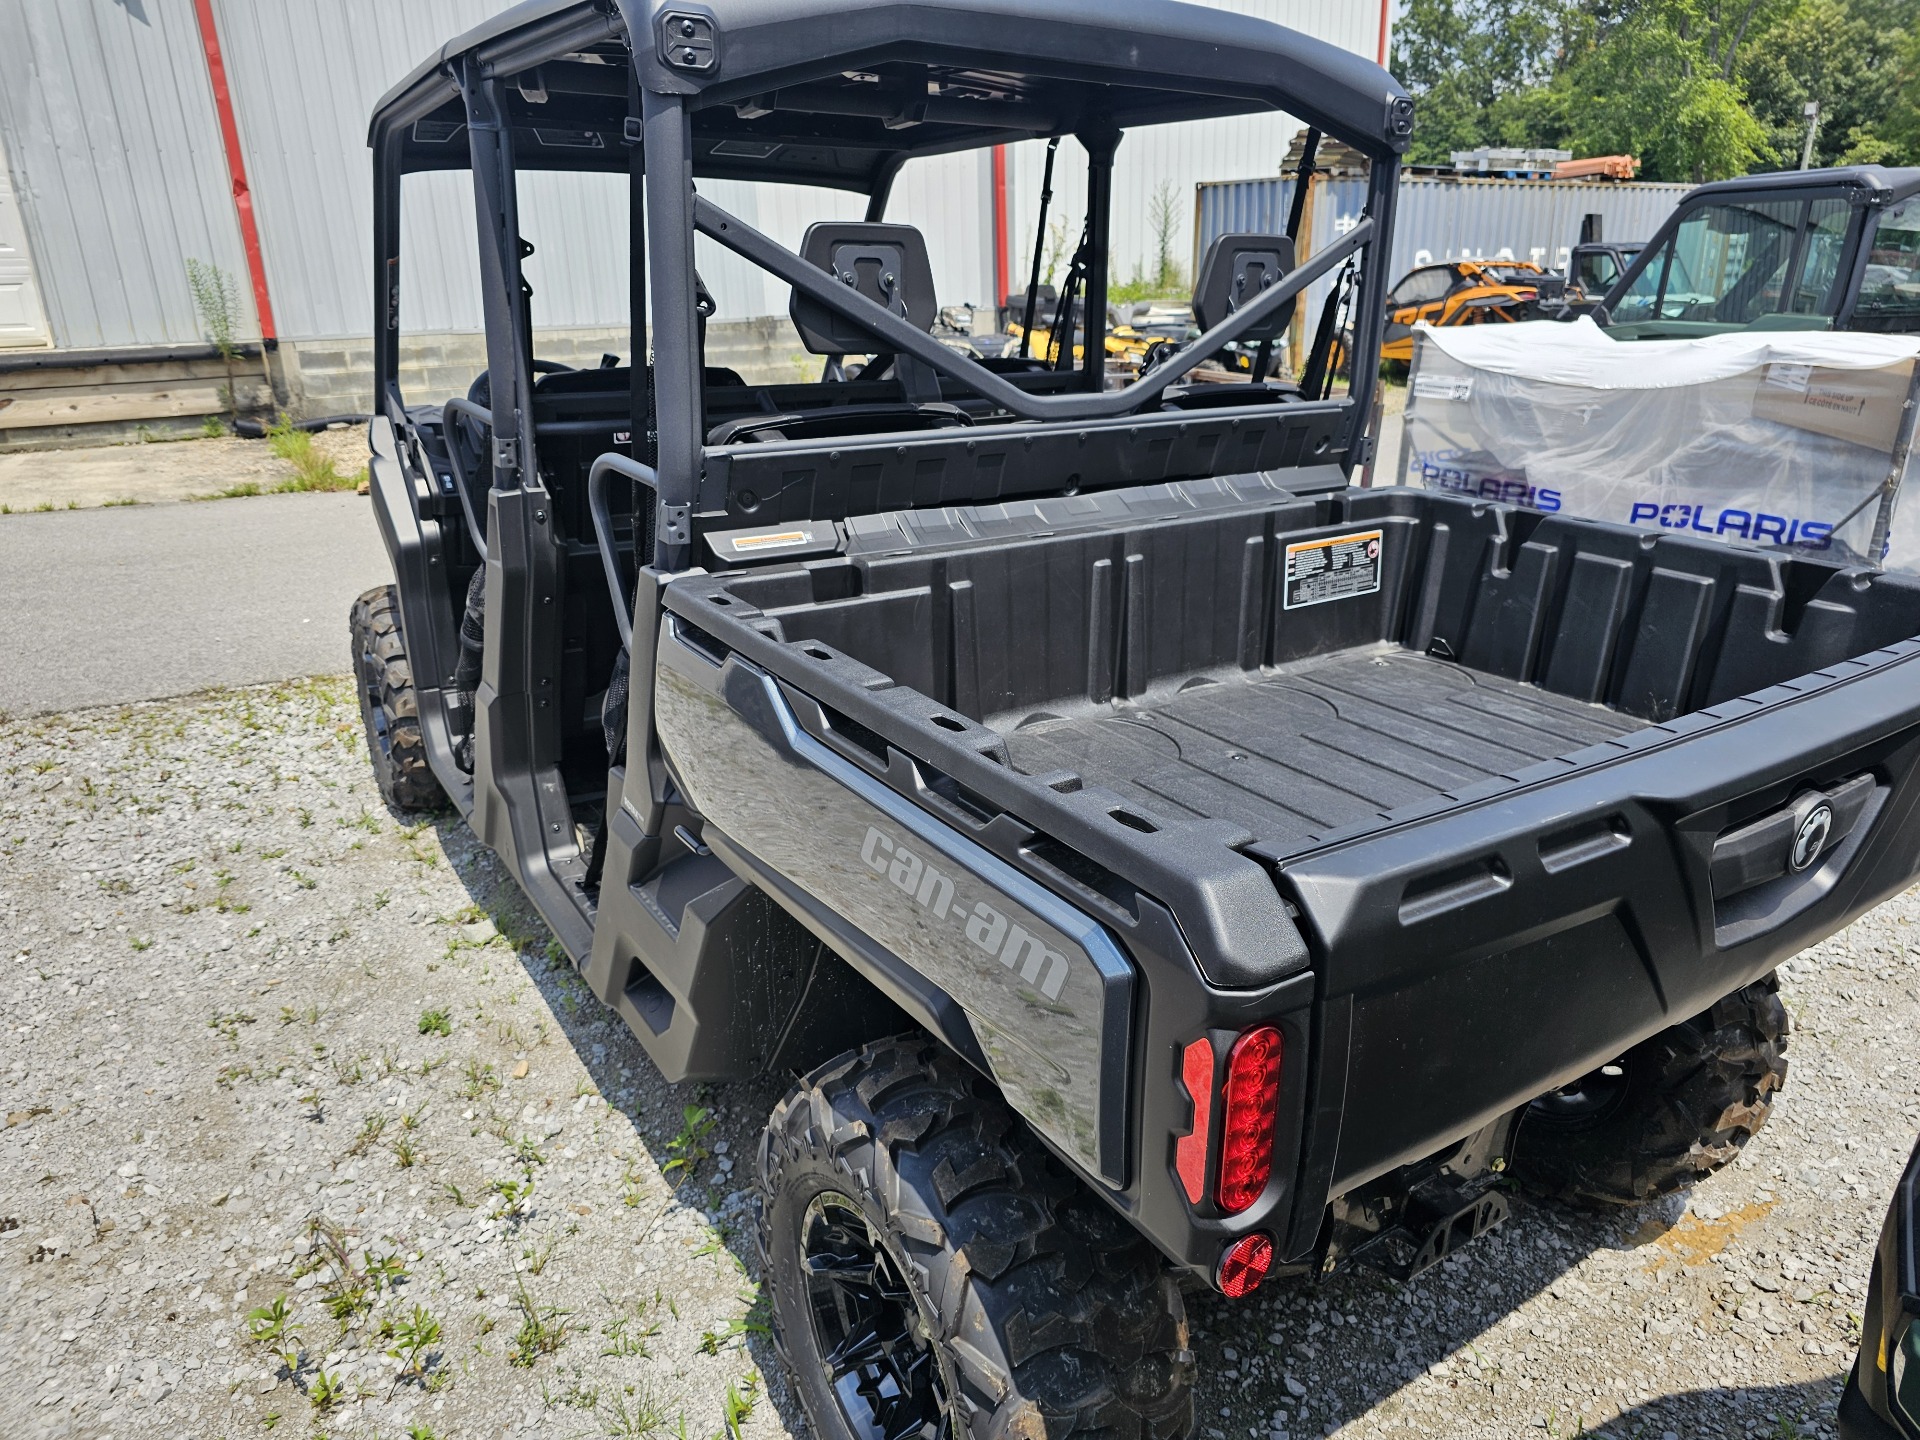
(674, 213)
(1112, 65)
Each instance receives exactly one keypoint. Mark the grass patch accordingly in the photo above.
(543, 1330)
(312, 471)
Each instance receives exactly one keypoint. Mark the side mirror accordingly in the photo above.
(1551, 289)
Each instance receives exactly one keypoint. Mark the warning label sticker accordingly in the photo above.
(1336, 568)
(782, 541)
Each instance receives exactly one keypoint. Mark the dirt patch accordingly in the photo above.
(82, 479)
(1696, 1239)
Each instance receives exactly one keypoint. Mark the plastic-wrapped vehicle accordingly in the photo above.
(1154, 856)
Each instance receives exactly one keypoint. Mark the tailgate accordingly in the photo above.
(1551, 919)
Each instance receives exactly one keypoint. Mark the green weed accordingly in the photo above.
(228, 1024)
(370, 1131)
(690, 1147)
(736, 1407)
(326, 1390)
(312, 471)
(413, 1338)
(543, 1330)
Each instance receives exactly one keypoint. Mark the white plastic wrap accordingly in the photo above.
(1783, 440)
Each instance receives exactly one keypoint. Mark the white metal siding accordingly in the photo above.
(107, 116)
(108, 113)
(310, 169)
(305, 75)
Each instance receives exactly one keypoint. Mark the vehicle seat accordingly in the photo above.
(1237, 268)
(886, 263)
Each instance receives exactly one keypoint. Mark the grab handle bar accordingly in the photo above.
(613, 463)
(460, 483)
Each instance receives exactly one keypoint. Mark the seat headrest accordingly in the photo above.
(1236, 270)
(886, 263)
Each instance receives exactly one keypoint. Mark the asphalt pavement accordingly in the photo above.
(105, 607)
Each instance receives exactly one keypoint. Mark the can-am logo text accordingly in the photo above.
(1012, 945)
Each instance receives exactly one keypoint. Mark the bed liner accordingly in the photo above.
(1321, 745)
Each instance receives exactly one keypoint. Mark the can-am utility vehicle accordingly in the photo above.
(1156, 857)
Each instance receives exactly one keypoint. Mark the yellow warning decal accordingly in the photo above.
(781, 541)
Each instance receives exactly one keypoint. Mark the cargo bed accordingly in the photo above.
(1171, 664)
(1475, 768)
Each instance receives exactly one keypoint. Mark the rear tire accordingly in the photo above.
(1681, 1105)
(919, 1243)
(388, 706)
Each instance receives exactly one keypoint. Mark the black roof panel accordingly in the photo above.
(839, 92)
(1896, 182)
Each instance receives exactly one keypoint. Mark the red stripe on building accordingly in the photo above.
(236, 166)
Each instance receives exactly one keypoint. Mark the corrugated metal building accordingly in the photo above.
(111, 133)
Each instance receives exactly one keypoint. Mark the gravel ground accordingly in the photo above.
(266, 1040)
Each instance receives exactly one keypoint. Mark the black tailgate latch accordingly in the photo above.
(1791, 840)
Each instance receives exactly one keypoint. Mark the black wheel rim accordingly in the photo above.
(371, 709)
(881, 1364)
(1592, 1097)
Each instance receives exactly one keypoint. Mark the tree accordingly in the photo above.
(1697, 89)
(1655, 84)
(1478, 68)
(1849, 56)
(1902, 124)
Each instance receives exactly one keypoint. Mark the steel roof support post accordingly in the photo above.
(386, 280)
(509, 376)
(677, 378)
(1100, 148)
(1369, 310)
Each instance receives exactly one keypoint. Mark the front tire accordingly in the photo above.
(389, 708)
(1671, 1110)
(937, 1274)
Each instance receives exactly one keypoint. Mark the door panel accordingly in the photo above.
(22, 321)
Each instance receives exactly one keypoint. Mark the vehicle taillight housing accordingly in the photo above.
(1250, 1106)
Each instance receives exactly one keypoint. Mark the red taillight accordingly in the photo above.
(1244, 1265)
(1250, 1106)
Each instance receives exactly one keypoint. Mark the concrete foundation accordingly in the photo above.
(135, 397)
